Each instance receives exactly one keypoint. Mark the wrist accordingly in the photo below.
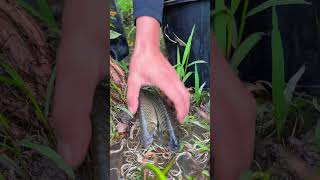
(147, 34)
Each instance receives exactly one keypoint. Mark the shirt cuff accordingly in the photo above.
(151, 8)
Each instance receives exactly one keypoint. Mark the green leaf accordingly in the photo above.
(245, 47)
(197, 62)
(185, 78)
(49, 153)
(155, 170)
(114, 34)
(18, 82)
(47, 14)
(201, 87)
(220, 26)
(291, 86)
(232, 35)
(205, 173)
(278, 97)
(179, 65)
(187, 49)
(234, 6)
(50, 89)
(169, 165)
(197, 123)
(267, 4)
(10, 164)
(196, 81)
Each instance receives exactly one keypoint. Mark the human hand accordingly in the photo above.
(149, 67)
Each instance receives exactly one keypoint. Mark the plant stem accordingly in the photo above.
(243, 20)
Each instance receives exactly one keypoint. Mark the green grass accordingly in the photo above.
(15, 80)
(278, 81)
(183, 65)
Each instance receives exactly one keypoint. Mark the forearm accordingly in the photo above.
(86, 20)
(84, 41)
(234, 120)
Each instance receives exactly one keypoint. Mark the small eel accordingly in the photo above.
(156, 120)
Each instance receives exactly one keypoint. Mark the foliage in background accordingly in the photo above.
(229, 39)
(183, 65)
(229, 36)
(43, 12)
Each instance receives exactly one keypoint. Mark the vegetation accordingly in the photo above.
(280, 118)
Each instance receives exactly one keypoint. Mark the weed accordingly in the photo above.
(15, 80)
(198, 91)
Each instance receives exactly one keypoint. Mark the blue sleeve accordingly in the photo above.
(152, 8)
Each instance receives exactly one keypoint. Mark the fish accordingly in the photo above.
(157, 120)
(148, 118)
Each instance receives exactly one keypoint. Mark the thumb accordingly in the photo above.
(134, 86)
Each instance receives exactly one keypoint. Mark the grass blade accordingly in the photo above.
(155, 170)
(187, 50)
(49, 93)
(47, 14)
(18, 82)
(245, 47)
(196, 81)
(232, 34)
(267, 4)
(197, 62)
(220, 26)
(185, 78)
(201, 87)
(114, 34)
(234, 6)
(179, 66)
(49, 153)
(291, 86)
(168, 166)
(278, 97)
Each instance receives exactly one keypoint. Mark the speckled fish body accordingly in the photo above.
(154, 113)
(166, 126)
(148, 118)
